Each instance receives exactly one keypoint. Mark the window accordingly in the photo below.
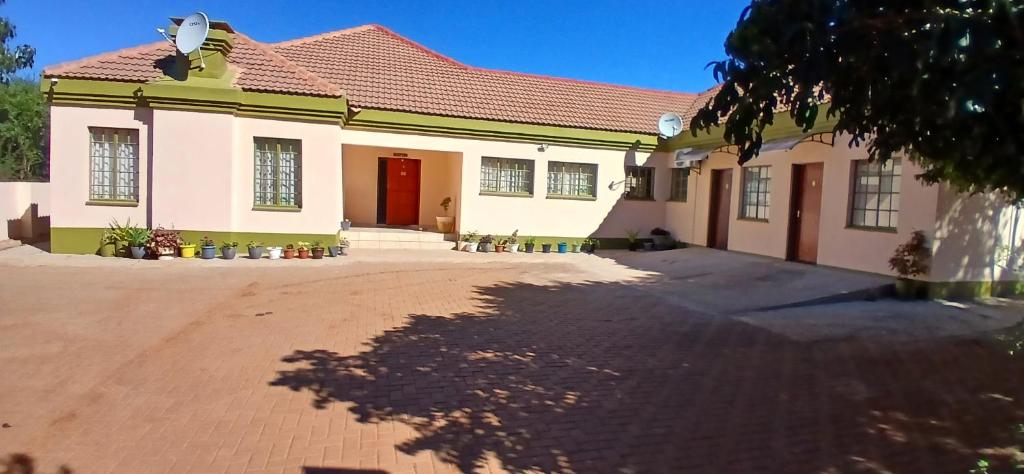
(680, 183)
(756, 181)
(876, 194)
(278, 173)
(572, 179)
(113, 165)
(506, 176)
(639, 183)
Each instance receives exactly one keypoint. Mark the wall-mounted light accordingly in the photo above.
(543, 147)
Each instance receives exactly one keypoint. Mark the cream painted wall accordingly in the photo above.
(838, 245)
(607, 216)
(16, 201)
(437, 180)
(69, 165)
(969, 232)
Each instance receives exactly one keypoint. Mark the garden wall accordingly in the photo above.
(24, 211)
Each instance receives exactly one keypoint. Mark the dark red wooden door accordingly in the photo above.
(805, 217)
(721, 201)
(403, 191)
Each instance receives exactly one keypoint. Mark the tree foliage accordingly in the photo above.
(12, 58)
(22, 131)
(941, 81)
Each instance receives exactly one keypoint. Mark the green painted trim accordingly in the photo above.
(784, 127)
(102, 202)
(372, 119)
(954, 290)
(79, 240)
(513, 195)
(570, 198)
(277, 208)
(196, 94)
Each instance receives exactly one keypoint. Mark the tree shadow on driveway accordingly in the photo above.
(605, 377)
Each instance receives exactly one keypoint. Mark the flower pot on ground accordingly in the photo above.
(317, 250)
(469, 243)
(512, 242)
(662, 239)
(445, 223)
(108, 246)
(563, 247)
(575, 247)
(303, 250)
(164, 243)
(909, 260)
(289, 252)
(343, 246)
(229, 250)
(545, 248)
(274, 253)
(137, 253)
(648, 245)
(486, 243)
(255, 250)
(594, 245)
(499, 248)
(137, 239)
(512, 248)
(332, 251)
(208, 248)
(188, 250)
(632, 236)
(529, 245)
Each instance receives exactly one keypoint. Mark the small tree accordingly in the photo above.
(22, 132)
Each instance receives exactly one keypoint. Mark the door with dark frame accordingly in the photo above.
(398, 191)
(805, 212)
(721, 202)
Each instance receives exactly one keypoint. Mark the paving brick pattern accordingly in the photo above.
(457, 367)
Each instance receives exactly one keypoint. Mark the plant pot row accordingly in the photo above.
(561, 247)
(316, 253)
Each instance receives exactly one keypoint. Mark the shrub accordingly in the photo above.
(911, 258)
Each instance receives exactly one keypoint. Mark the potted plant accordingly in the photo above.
(500, 246)
(563, 247)
(229, 250)
(187, 249)
(317, 250)
(164, 243)
(120, 234)
(445, 224)
(289, 252)
(208, 248)
(303, 249)
(909, 260)
(575, 247)
(255, 250)
(545, 247)
(469, 242)
(342, 246)
(530, 243)
(662, 239)
(594, 244)
(513, 242)
(274, 252)
(346, 224)
(631, 236)
(108, 244)
(138, 237)
(487, 243)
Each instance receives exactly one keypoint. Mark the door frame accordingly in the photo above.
(797, 172)
(714, 207)
(382, 188)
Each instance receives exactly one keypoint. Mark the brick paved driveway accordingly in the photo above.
(449, 367)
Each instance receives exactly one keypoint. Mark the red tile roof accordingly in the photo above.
(379, 69)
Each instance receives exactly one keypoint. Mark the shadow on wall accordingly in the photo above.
(549, 378)
(973, 230)
(30, 227)
(627, 214)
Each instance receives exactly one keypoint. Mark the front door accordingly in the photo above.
(721, 201)
(805, 212)
(402, 191)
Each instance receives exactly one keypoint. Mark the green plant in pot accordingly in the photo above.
(208, 248)
(108, 244)
(229, 250)
(545, 247)
(187, 249)
(119, 234)
(469, 242)
(662, 239)
(633, 236)
(529, 244)
(137, 239)
(303, 249)
(317, 250)
(575, 246)
(446, 223)
(487, 243)
(513, 242)
(343, 246)
(910, 260)
(255, 249)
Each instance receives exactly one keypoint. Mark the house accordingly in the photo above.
(278, 142)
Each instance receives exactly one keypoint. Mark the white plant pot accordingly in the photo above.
(513, 248)
(470, 247)
(273, 253)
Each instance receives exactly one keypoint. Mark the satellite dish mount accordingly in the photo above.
(191, 35)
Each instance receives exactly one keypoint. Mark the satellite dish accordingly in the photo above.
(670, 124)
(192, 32)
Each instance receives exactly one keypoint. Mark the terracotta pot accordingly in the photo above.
(499, 248)
(304, 253)
(445, 225)
(289, 253)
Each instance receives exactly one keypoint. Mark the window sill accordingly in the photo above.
(882, 230)
(101, 202)
(277, 208)
(518, 195)
(572, 198)
(680, 201)
(628, 198)
(751, 219)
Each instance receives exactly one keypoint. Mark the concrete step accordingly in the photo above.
(394, 244)
(398, 238)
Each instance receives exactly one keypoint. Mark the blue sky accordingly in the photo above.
(663, 45)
